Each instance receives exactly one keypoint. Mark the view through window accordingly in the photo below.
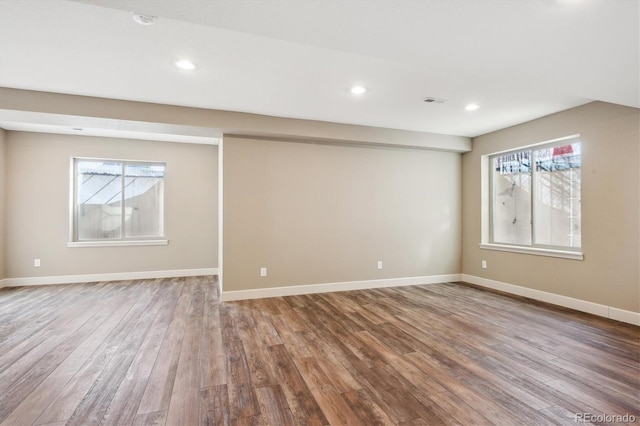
(535, 197)
(118, 200)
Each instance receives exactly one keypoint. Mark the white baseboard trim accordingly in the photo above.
(113, 276)
(260, 293)
(624, 316)
(556, 299)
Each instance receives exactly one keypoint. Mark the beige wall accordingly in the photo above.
(37, 201)
(317, 213)
(2, 201)
(321, 213)
(29, 241)
(609, 273)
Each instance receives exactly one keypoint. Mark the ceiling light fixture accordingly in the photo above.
(186, 65)
(472, 107)
(358, 90)
(143, 19)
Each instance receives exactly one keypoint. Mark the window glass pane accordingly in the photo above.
(557, 196)
(512, 198)
(143, 200)
(98, 209)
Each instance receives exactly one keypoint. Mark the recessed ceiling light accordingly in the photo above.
(143, 19)
(185, 65)
(472, 107)
(358, 90)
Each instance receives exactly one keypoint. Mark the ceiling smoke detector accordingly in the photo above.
(143, 19)
(431, 100)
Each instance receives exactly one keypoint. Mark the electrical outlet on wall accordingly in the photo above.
(263, 272)
(484, 264)
(379, 264)
(36, 263)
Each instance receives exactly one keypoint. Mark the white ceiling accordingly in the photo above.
(517, 59)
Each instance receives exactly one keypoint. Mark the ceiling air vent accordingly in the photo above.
(431, 100)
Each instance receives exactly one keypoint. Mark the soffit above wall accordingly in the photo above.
(53, 110)
(29, 121)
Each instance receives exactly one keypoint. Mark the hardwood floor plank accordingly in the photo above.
(169, 352)
(289, 337)
(157, 418)
(229, 330)
(303, 405)
(25, 375)
(329, 399)
(457, 409)
(484, 405)
(505, 399)
(601, 401)
(39, 304)
(267, 332)
(25, 345)
(256, 350)
(242, 397)
(212, 356)
(425, 383)
(95, 403)
(214, 406)
(124, 406)
(159, 387)
(332, 361)
(274, 406)
(185, 395)
(593, 378)
(365, 408)
(495, 381)
(387, 398)
(506, 364)
(560, 416)
(49, 389)
(115, 330)
(293, 320)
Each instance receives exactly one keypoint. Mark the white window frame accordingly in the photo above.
(486, 212)
(73, 211)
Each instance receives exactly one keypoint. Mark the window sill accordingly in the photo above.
(129, 243)
(565, 254)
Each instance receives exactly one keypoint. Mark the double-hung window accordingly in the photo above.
(534, 198)
(117, 202)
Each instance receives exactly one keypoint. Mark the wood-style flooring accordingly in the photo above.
(168, 352)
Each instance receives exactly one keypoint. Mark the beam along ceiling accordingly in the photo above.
(517, 60)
